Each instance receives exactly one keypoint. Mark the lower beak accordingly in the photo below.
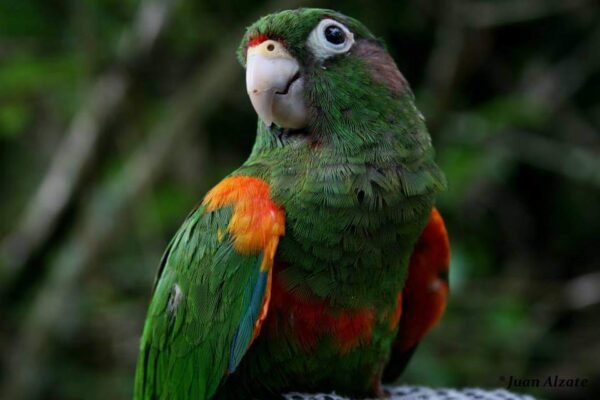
(274, 85)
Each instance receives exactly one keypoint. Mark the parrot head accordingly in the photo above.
(334, 110)
(305, 66)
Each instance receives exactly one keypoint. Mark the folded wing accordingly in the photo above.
(212, 292)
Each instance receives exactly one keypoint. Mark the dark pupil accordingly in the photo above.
(334, 35)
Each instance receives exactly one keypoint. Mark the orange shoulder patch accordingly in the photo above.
(257, 222)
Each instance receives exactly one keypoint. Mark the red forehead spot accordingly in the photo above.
(256, 40)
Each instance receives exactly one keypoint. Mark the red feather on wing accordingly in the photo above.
(424, 295)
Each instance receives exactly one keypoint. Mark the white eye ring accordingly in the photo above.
(323, 48)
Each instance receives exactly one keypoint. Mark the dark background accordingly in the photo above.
(116, 116)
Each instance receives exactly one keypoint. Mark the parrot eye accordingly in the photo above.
(334, 35)
(330, 38)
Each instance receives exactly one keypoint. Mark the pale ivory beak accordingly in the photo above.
(275, 85)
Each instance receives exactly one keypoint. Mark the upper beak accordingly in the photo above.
(274, 85)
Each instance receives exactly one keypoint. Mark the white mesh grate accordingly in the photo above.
(425, 393)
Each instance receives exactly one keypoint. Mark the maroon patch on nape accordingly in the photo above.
(381, 65)
(257, 39)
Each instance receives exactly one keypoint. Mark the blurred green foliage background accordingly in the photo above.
(116, 116)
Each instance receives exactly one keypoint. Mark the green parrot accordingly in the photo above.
(320, 263)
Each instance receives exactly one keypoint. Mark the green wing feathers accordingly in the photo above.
(210, 298)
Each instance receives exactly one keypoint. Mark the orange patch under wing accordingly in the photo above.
(257, 222)
(264, 308)
(395, 318)
(426, 290)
